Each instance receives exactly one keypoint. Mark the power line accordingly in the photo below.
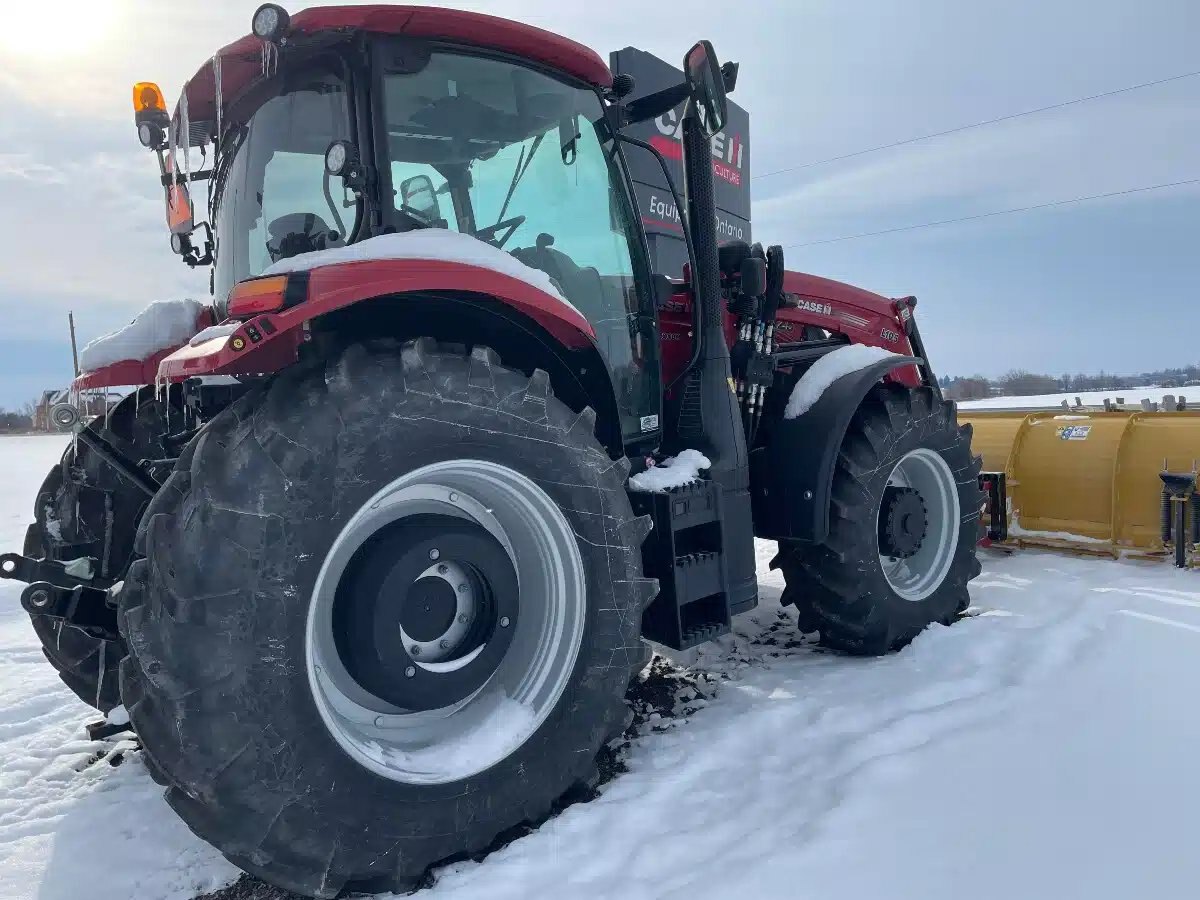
(998, 212)
(926, 137)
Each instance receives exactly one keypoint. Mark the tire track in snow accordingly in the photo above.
(790, 735)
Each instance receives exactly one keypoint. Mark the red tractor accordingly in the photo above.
(364, 559)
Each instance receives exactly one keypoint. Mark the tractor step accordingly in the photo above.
(683, 552)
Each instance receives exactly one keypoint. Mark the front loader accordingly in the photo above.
(363, 559)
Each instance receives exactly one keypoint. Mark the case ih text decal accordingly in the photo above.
(813, 306)
(727, 151)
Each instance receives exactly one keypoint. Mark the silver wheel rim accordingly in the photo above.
(916, 577)
(448, 744)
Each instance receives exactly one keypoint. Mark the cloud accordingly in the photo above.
(23, 166)
(82, 225)
(1111, 146)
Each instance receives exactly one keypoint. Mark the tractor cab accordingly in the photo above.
(365, 134)
(486, 147)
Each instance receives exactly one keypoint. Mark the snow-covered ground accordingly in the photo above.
(1044, 748)
(1131, 397)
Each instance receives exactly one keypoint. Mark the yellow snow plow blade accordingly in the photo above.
(1083, 480)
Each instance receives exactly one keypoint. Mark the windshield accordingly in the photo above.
(512, 157)
(275, 198)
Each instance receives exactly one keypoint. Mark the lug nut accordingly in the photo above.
(416, 650)
(443, 569)
(463, 588)
(435, 553)
(453, 497)
(445, 645)
(504, 622)
(410, 671)
(462, 618)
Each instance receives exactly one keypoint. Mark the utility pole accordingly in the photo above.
(74, 348)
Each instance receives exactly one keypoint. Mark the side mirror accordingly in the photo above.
(419, 195)
(707, 86)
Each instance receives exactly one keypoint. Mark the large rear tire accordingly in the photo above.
(271, 673)
(904, 524)
(85, 509)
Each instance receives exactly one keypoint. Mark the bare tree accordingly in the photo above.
(1022, 384)
(974, 388)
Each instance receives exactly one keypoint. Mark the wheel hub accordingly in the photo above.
(419, 634)
(425, 708)
(903, 522)
(919, 523)
(429, 610)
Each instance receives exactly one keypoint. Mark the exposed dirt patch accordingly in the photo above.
(113, 752)
(661, 696)
(249, 888)
(781, 634)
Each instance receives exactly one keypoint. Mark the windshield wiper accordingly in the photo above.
(519, 173)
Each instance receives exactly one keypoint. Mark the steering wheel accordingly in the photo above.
(489, 234)
(296, 233)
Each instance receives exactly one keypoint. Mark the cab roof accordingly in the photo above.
(241, 61)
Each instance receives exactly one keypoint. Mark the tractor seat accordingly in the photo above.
(298, 233)
(592, 295)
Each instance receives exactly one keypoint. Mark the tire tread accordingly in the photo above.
(173, 604)
(831, 583)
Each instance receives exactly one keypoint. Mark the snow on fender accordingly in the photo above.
(828, 369)
(163, 325)
(433, 244)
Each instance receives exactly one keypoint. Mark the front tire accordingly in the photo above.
(903, 529)
(270, 698)
(85, 509)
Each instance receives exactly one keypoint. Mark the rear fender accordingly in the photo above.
(791, 471)
(269, 342)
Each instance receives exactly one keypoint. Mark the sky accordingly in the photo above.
(1107, 284)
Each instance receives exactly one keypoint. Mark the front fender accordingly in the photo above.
(791, 474)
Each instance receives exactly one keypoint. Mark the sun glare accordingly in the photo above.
(39, 30)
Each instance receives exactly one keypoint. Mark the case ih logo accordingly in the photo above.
(814, 306)
(728, 152)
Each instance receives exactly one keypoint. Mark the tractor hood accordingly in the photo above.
(816, 287)
(131, 354)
